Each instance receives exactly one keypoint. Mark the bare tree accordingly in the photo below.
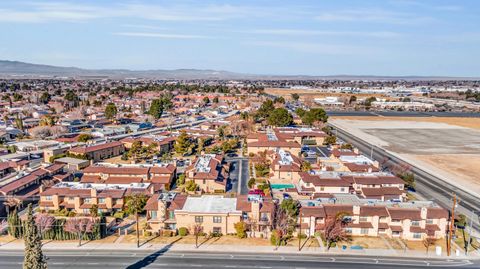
(80, 226)
(281, 225)
(428, 242)
(334, 229)
(44, 222)
(197, 230)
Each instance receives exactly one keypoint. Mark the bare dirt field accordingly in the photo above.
(313, 93)
(456, 121)
(445, 147)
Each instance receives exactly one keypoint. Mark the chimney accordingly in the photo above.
(356, 210)
(93, 192)
(255, 209)
(423, 213)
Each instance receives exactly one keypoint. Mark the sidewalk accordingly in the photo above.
(179, 247)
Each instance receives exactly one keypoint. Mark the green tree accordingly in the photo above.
(251, 183)
(314, 115)
(156, 108)
(409, 180)
(45, 97)
(191, 185)
(279, 100)
(33, 258)
(19, 122)
(241, 229)
(300, 112)
(221, 132)
(215, 100)
(135, 204)
(181, 179)
(280, 117)
(330, 140)
(14, 224)
(84, 137)
(17, 97)
(206, 100)
(265, 109)
(182, 143)
(110, 111)
(306, 166)
(295, 96)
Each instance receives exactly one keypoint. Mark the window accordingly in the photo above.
(364, 231)
(217, 230)
(417, 235)
(48, 198)
(198, 219)
(342, 189)
(363, 219)
(415, 223)
(86, 211)
(429, 221)
(153, 214)
(322, 188)
(87, 200)
(101, 200)
(396, 233)
(348, 230)
(264, 217)
(217, 219)
(171, 215)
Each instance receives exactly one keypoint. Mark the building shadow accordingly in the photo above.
(146, 261)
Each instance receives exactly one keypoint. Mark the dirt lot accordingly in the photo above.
(445, 147)
(313, 93)
(465, 166)
(463, 122)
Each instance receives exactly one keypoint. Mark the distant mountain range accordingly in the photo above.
(16, 69)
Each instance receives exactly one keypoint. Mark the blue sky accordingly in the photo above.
(359, 37)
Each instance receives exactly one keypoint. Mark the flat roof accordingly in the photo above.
(71, 160)
(210, 204)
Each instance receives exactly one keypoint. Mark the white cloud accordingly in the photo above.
(301, 32)
(47, 12)
(372, 15)
(315, 48)
(160, 35)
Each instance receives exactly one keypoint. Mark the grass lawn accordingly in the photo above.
(365, 242)
(190, 239)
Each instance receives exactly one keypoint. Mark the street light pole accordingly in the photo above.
(300, 230)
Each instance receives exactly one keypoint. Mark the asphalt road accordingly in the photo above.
(427, 185)
(238, 175)
(167, 259)
(390, 113)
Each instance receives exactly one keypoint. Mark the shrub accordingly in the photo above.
(71, 214)
(216, 234)
(147, 233)
(167, 233)
(251, 182)
(241, 228)
(191, 185)
(182, 231)
(181, 179)
(119, 215)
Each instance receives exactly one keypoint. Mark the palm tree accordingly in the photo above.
(135, 204)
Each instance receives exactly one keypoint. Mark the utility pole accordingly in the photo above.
(452, 220)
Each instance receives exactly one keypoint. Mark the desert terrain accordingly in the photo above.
(446, 147)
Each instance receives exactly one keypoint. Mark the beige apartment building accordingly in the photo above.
(403, 220)
(215, 214)
(99, 152)
(80, 197)
(209, 173)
